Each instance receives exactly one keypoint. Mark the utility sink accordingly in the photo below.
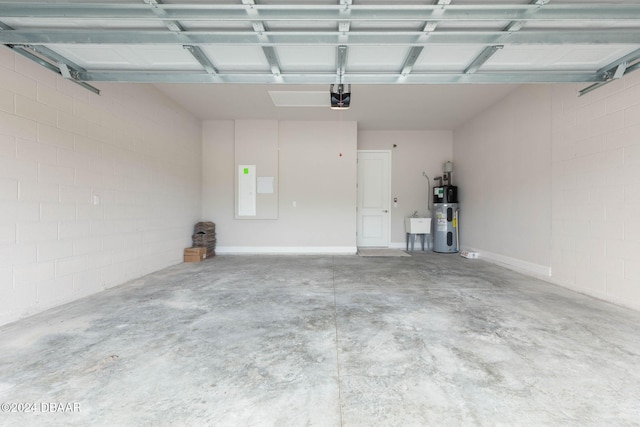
(417, 225)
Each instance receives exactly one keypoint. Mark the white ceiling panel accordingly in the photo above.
(312, 58)
(235, 58)
(472, 25)
(217, 25)
(385, 107)
(415, 26)
(303, 2)
(93, 56)
(129, 57)
(166, 57)
(524, 57)
(568, 57)
(621, 24)
(300, 98)
(300, 25)
(376, 58)
(590, 57)
(446, 58)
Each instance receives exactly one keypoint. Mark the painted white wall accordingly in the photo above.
(60, 145)
(502, 164)
(415, 152)
(317, 170)
(568, 168)
(596, 190)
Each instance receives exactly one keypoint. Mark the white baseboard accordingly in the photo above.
(292, 250)
(633, 305)
(537, 270)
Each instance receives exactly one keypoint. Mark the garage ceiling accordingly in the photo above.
(318, 42)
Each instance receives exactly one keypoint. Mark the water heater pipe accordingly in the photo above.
(428, 193)
(448, 171)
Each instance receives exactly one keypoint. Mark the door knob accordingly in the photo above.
(385, 211)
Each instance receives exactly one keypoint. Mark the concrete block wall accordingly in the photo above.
(576, 185)
(596, 190)
(94, 190)
(502, 165)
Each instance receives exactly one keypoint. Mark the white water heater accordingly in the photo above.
(445, 232)
(445, 215)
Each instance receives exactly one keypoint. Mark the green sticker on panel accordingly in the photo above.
(246, 171)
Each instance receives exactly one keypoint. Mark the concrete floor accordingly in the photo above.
(318, 340)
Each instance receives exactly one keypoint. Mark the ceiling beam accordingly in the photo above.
(351, 78)
(202, 58)
(344, 26)
(410, 60)
(483, 57)
(162, 14)
(302, 38)
(288, 12)
(517, 25)
(489, 51)
(260, 29)
(415, 51)
(176, 27)
(272, 58)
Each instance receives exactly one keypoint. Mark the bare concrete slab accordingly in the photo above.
(431, 339)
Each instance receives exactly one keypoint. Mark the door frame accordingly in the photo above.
(390, 159)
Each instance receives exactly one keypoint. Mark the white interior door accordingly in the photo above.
(373, 198)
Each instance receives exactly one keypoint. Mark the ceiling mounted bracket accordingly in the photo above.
(51, 61)
(620, 71)
(74, 76)
(341, 61)
(199, 55)
(410, 60)
(65, 71)
(484, 56)
(614, 71)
